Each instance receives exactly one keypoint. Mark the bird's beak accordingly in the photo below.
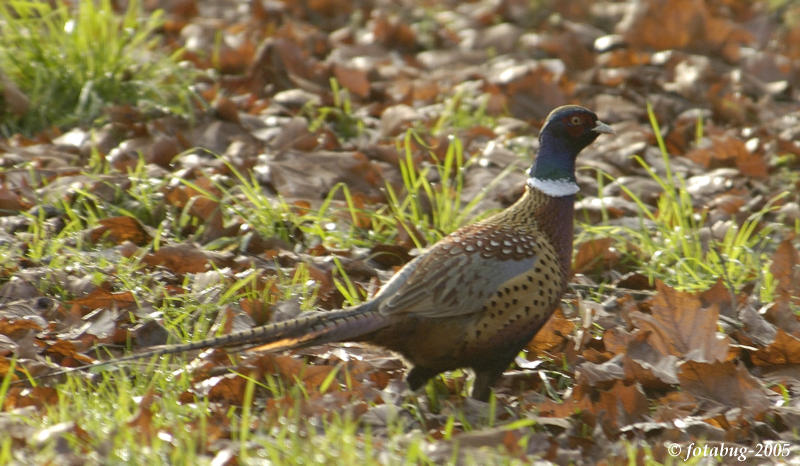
(601, 127)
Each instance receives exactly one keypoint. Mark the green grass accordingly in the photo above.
(72, 62)
(667, 246)
(433, 209)
(671, 245)
(274, 216)
(104, 410)
(427, 210)
(437, 211)
(343, 122)
(101, 421)
(99, 416)
(463, 110)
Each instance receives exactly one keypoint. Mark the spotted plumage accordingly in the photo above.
(475, 298)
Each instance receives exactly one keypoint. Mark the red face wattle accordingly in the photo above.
(578, 124)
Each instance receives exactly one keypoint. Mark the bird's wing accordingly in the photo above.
(450, 281)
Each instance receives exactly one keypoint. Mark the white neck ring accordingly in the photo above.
(555, 188)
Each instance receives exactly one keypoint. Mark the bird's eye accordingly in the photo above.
(575, 120)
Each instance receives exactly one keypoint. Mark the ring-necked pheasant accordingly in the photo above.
(473, 299)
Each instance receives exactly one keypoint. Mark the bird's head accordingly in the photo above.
(567, 130)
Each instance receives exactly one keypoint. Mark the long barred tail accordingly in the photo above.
(321, 327)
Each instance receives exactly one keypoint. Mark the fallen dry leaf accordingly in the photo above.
(592, 374)
(645, 363)
(38, 397)
(681, 326)
(785, 349)
(354, 80)
(186, 258)
(142, 421)
(594, 255)
(725, 383)
(677, 24)
(786, 270)
(12, 201)
(723, 149)
(17, 327)
(553, 335)
(103, 299)
(119, 230)
(622, 405)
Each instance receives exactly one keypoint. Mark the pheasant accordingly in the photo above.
(472, 300)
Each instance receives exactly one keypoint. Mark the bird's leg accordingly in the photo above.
(418, 376)
(416, 379)
(484, 379)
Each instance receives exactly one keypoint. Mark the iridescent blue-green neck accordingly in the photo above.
(553, 171)
(556, 158)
